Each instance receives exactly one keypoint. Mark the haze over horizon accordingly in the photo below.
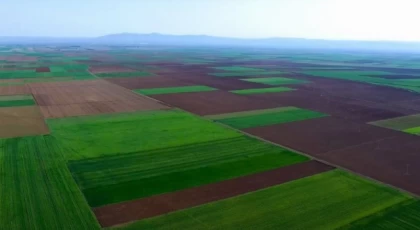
(323, 19)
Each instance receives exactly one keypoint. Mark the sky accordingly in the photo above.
(326, 19)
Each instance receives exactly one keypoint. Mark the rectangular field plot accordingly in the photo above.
(18, 100)
(238, 69)
(125, 74)
(408, 124)
(245, 73)
(141, 174)
(262, 90)
(38, 191)
(132, 132)
(336, 196)
(405, 215)
(21, 121)
(170, 90)
(266, 117)
(275, 80)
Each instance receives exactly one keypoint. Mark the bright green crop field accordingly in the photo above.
(96, 136)
(135, 175)
(270, 118)
(262, 90)
(37, 190)
(18, 100)
(275, 80)
(170, 90)
(325, 201)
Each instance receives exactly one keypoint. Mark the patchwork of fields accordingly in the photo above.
(207, 138)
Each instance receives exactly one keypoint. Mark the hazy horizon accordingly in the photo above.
(313, 19)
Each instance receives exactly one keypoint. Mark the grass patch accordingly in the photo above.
(399, 123)
(126, 74)
(245, 74)
(336, 196)
(18, 100)
(136, 175)
(270, 118)
(169, 90)
(96, 136)
(275, 80)
(262, 90)
(405, 215)
(238, 69)
(38, 191)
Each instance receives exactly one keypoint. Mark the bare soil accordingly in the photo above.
(115, 214)
(14, 90)
(43, 70)
(21, 121)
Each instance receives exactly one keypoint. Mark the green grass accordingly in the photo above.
(262, 90)
(250, 113)
(37, 190)
(245, 74)
(324, 201)
(275, 80)
(415, 130)
(399, 123)
(270, 118)
(125, 74)
(96, 136)
(18, 100)
(238, 69)
(140, 174)
(405, 215)
(169, 90)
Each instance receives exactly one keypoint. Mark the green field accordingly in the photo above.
(19, 100)
(245, 74)
(324, 201)
(250, 113)
(169, 90)
(125, 74)
(130, 132)
(408, 124)
(270, 118)
(140, 174)
(275, 80)
(262, 90)
(38, 191)
(405, 215)
(238, 69)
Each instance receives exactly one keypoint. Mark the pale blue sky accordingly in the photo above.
(329, 19)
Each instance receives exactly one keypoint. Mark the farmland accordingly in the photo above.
(151, 137)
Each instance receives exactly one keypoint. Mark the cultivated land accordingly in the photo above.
(152, 137)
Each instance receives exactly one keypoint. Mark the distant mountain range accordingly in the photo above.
(204, 40)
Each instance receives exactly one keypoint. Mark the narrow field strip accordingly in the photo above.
(270, 118)
(336, 196)
(15, 103)
(180, 89)
(250, 113)
(405, 215)
(238, 69)
(125, 74)
(275, 80)
(138, 175)
(262, 90)
(399, 123)
(415, 130)
(120, 213)
(38, 191)
(114, 134)
(245, 73)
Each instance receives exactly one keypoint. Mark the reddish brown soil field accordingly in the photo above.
(214, 102)
(63, 99)
(14, 90)
(395, 161)
(317, 136)
(43, 70)
(21, 121)
(157, 205)
(148, 82)
(109, 69)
